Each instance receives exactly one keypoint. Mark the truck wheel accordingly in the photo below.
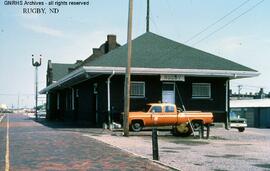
(241, 129)
(136, 126)
(182, 130)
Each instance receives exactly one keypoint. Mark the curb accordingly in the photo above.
(138, 155)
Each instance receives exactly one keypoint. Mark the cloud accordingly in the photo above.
(44, 30)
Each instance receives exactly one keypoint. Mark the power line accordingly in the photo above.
(231, 21)
(217, 21)
(153, 21)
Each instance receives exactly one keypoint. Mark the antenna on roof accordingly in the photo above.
(147, 16)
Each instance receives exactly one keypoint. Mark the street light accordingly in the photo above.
(36, 64)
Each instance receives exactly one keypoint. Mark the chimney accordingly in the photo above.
(111, 39)
(50, 64)
(79, 61)
(96, 52)
(70, 69)
(49, 76)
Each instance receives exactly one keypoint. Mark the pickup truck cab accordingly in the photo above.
(165, 114)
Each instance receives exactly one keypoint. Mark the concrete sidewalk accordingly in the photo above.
(225, 150)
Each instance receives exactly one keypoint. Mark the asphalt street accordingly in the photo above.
(40, 146)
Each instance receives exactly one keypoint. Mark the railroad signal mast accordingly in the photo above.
(36, 64)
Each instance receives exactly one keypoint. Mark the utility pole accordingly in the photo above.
(147, 15)
(127, 76)
(36, 64)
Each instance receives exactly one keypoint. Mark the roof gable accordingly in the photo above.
(153, 51)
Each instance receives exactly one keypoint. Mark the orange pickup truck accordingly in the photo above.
(165, 114)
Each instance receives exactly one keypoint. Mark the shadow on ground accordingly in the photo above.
(69, 126)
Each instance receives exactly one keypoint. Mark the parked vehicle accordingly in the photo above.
(41, 113)
(165, 114)
(237, 122)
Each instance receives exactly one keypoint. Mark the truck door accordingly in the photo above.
(156, 112)
(169, 115)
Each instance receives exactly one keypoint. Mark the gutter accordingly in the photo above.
(188, 72)
(109, 98)
(68, 77)
(152, 71)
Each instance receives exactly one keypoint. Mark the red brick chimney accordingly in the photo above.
(97, 52)
(111, 40)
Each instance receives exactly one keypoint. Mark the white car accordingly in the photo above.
(237, 122)
(41, 113)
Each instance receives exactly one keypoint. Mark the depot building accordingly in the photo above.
(91, 91)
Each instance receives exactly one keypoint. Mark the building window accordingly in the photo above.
(72, 99)
(67, 100)
(201, 90)
(58, 101)
(77, 93)
(137, 89)
(48, 101)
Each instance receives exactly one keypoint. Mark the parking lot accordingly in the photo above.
(225, 150)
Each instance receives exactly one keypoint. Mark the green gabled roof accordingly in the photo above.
(60, 70)
(153, 51)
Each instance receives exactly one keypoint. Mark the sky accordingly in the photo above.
(238, 30)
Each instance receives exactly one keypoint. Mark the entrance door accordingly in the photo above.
(168, 93)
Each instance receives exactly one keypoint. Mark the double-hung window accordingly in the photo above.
(137, 89)
(201, 90)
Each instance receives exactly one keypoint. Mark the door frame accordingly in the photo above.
(172, 83)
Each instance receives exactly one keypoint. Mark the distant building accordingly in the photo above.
(259, 95)
(3, 106)
(256, 111)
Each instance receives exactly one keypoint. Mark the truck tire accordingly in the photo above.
(136, 125)
(182, 130)
(241, 129)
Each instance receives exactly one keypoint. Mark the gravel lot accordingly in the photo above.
(225, 150)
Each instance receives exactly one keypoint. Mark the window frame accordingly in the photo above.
(201, 97)
(58, 101)
(137, 96)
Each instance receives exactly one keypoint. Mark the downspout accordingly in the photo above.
(109, 99)
(227, 107)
